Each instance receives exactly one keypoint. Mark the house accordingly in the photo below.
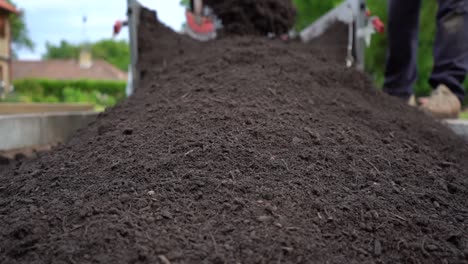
(84, 68)
(6, 9)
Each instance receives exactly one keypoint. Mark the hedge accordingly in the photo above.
(100, 93)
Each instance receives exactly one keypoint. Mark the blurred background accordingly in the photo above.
(63, 50)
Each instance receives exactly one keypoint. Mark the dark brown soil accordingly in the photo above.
(248, 17)
(243, 150)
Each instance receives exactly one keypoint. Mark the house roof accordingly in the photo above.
(66, 70)
(4, 5)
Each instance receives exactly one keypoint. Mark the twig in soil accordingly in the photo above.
(169, 149)
(329, 216)
(76, 227)
(272, 91)
(285, 164)
(401, 241)
(389, 163)
(360, 250)
(214, 244)
(86, 230)
(373, 166)
(189, 152)
(399, 217)
(62, 220)
(233, 174)
(217, 100)
(319, 215)
(423, 247)
(163, 259)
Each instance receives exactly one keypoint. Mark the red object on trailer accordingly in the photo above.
(378, 25)
(118, 26)
(200, 27)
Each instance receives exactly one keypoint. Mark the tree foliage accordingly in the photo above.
(20, 33)
(64, 50)
(115, 52)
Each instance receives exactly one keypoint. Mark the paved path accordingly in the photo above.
(460, 127)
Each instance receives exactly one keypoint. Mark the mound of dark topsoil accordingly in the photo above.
(255, 16)
(243, 150)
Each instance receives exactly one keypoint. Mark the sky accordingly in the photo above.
(54, 20)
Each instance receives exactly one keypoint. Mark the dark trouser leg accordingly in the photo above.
(401, 68)
(451, 46)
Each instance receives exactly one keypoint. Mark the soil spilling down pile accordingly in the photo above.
(243, 150)
(249, 17)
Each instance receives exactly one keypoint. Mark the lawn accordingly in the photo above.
(464, 114)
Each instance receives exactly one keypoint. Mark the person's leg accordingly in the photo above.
(451, 46)
(401, 67)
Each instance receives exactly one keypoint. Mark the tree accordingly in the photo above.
(115, 52)
(64, 50)
(185, 2)
(20, 33)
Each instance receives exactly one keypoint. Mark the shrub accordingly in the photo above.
(100, 93)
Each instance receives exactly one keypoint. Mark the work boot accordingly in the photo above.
(412, 101)
(442, 104)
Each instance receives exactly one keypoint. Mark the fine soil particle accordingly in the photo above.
(248, 17)
(242, 150)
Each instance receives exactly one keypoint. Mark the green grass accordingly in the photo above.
(464, 115)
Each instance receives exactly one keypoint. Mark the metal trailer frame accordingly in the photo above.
(353, 13)
(133, 14)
